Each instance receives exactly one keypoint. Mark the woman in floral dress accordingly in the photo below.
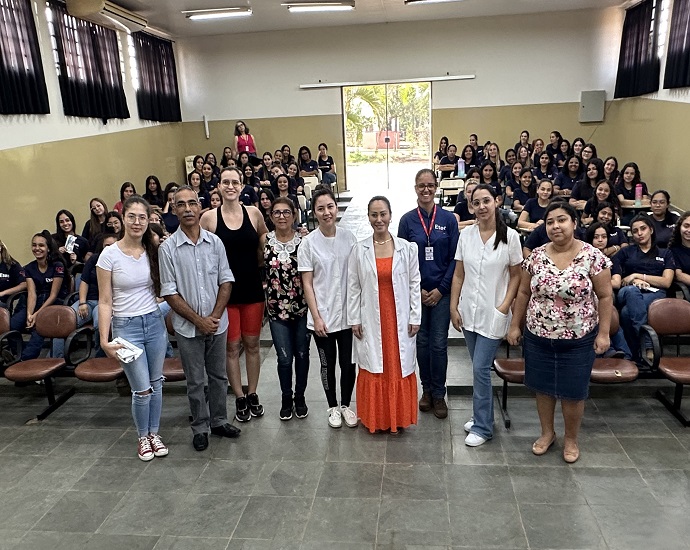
(566, 294)
(286, 307)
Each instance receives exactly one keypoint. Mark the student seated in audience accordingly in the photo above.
(198, 164)
(170, 218)
(154, 193)
(605, 214)
(278, 157)
(679, 247)
(244, 141)
(283, 183)
(463, 210)
(504, 172)
(603, 192)
(449, 164)
(77, 251)
(466, 162)
(12, 280)
(226, 156)
(627, 183)
(493, 153)
(539, 237)
(296, 181)
(96, 224)
(113, 224)
(570, 174)
(248, 195)
(663, 219)
(524, 142)
(545, 169)
(584, 189)
(211, 159)
(537, 150)
(489, 176)
(611, 172)
(242, 159)
(532, 214)
(127, 189)
(578, 146)
(327, 165)
(266, 198)
(525, 190)
(442, 151)
(307, 165)
(589, 152)
(156, 216)
(249, 178)
(277, 168)
(264, 171)
(47, 283)
(208, 176)
(638, 269)
(287, 157)
(512, 179)
(194, 181)
(478, 149)
(554, 146)
(564, 151)
(524, 156)
(216, 198)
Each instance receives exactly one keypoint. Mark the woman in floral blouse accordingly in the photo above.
(567, 295)
(286, 307)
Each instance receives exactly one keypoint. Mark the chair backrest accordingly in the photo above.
(4, 320)
(311, 180)
(56, 321)
(302, 200)
(308, 188)
(669, 316)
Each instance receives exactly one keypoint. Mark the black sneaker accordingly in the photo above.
(286, 409)
(301, 409)
(256, 408)
(242, 414)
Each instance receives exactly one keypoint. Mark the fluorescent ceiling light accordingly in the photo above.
(410, 2)
(217, 13)
(316, 6)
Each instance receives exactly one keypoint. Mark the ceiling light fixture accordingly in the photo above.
(217, 13)
(412, 2)
(319, 6)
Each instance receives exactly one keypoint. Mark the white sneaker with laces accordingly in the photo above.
(474, 440)
(468, 425)
(335, 419)
(349, 415)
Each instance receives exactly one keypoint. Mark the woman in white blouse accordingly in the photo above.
(486, 279)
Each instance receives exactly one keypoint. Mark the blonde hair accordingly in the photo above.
(5, 256)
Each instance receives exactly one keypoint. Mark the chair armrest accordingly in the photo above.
(646, 330)
(13, 300)
(678, 286)
(7, 339)
(73, 355)
(71, 298)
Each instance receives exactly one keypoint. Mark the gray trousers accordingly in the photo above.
(203, 358)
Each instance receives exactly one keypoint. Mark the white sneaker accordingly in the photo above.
(468, 425)
(474, 440)
(335, 419)
(349, 415)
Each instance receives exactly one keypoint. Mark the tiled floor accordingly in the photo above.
(73, 480)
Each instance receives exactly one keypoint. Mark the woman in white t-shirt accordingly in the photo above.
(322, 260)
(486, 280)
(128, 283)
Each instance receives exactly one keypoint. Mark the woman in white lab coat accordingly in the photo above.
(384, 308)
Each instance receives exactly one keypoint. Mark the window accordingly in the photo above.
(88, 65)
(677, 73)
(23, 89)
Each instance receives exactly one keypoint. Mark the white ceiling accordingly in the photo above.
(269, 15)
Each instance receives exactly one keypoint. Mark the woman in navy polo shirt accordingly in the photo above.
(532, 214)
(449, 164)
(605, 214)
(638, 270)
(611, 172)
(625, 189)
(307, 165)
(680, 248)
(564, 151)
(435, 232)
(584, 189)
(545, 169)
(12, 280)
(603, 193)
(570, 174)
(504, 172)
(489, 175)
(46, 283)
(554, 146)
(524, 190)
(523, 156)
(663, 219)
(79, 247)
(578, 146)
(467, 160)
(442, 150)
(524, 142)
(327, 165)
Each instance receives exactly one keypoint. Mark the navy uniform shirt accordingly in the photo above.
(564, 181)
(582, 191)
(454, 162)
(11, 276)
(520, 195)
(462, 209)
(629, 194)
(88, 276)
(664, 228)
(248, 196)
(535, 211)
(309, 166)
(616, 237)
(44, 281)
(681, 255)
(443, 238)
(326, 164)
(632, 260)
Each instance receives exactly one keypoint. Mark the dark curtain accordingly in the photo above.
(677, 73)
(22, 82)
(638, 64)
(88, 67)
(157, 97)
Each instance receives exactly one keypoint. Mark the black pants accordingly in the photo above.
(327, 355)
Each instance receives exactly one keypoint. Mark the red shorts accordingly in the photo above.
(245, 320)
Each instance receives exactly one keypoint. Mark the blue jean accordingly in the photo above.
(432, 347)
(482, 353)
(165, 309)
(633, 305)
(32, 349)
(145, 374)
(291, 340)
(328, 178)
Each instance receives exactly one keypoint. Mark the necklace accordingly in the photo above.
(383, 242)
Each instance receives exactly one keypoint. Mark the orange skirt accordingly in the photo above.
(387, 401)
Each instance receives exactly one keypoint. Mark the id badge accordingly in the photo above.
(429, 253)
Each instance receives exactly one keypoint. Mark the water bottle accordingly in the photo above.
(638, 195)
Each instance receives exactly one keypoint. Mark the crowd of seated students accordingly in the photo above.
(617, 212)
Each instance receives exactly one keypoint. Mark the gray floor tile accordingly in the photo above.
(253, 444)
(491, 453)
(639, 427)
(79, 512)
(8, 434)
(168, 542)
(111, 474)
(482, 525)
(276, 518)
(212, 515)
(490, 484)
(288, 479)
(414, 446)
(57, 540)
(613, 486)
(602, 452)
(415, 481)
(22, 509)
(356, 446)
(538, 485)
(56, 473)
(228, 477)
(669, 487)
(168, 474)
(656, 453)
(518, 451)
(143, 514)
(337, 546)
(342, 520)
(9, 538)
(261, 544)
(87, 442)
(118, 542)
(306, 444)
(36, 440)
(412, 522)
(350, 480)
(14, 468)
(561, 526)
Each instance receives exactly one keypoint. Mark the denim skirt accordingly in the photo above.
(559, 368)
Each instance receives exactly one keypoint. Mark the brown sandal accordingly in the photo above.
(539, 449)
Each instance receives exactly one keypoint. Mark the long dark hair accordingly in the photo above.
(147, 241)
(60, 236)
(644, 218)
(612, 198)
(676, 239)
(53, 252)
(95, 226)
(589, 235)
(600, 171)
(123, 187)
(501, 227)
(599, 207)
(566, 171)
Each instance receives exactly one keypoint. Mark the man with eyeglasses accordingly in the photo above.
(196, 281)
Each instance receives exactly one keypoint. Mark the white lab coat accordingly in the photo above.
(363, 303)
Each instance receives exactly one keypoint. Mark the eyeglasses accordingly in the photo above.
(132, 219)
(281, 213)
(484, 202)
(422, 186)
(111, 224)
(187, 204)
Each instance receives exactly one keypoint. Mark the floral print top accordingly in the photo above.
(284, 290)
(563, 304)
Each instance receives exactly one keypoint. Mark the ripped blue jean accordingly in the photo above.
(291, 341)
(145, 374)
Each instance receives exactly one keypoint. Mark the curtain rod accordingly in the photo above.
(321, 84)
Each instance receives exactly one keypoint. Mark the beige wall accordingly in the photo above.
(649, 132)
(47, 177)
